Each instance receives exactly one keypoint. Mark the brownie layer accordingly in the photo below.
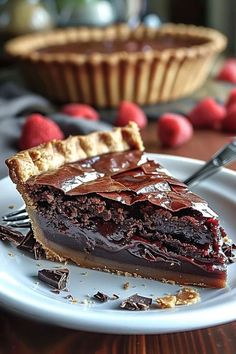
(120, 223)
(127, 177)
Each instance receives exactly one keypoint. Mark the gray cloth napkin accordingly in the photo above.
(16, 103)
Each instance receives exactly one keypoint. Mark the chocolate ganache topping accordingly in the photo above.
(128, 177)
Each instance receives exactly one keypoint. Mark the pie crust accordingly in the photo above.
(103, 80)
(52, 155)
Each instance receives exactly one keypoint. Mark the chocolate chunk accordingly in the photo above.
(136, 303)
(101, 297)
(39, 252)
(55, 278)
(25, 243)
(9, 234)
(28, 242)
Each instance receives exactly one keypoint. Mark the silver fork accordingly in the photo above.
(221, 158)
(20, 219)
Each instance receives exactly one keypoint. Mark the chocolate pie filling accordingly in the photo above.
(131, 45)
(126, 212)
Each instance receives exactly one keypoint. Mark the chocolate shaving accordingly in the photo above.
(28, 242)
(11, 235)
(55, 278)
(101, 297)
(136, 303)
(114, 297)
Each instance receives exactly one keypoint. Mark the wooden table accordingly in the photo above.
(19, 335)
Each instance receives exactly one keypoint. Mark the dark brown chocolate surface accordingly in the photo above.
(132, 45)
(127, 177)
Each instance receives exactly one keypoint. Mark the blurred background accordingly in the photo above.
(22, 16)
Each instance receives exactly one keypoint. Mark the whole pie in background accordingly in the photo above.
(103, 66)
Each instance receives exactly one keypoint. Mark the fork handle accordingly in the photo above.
(224, 156)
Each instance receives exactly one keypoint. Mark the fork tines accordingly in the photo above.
(20, 225)
(19, 211)
(18, 218)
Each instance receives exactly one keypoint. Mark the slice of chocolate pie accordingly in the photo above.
(99, 201)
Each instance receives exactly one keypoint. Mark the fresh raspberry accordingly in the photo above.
(129, 111)
(229, 123)
(207, 114)
(231, 98)
(37, 130)
(174, 129)
(228, 71)
(77, 110)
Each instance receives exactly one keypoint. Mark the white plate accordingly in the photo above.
(21, 292)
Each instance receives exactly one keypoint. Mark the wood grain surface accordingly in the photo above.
(21, 336)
